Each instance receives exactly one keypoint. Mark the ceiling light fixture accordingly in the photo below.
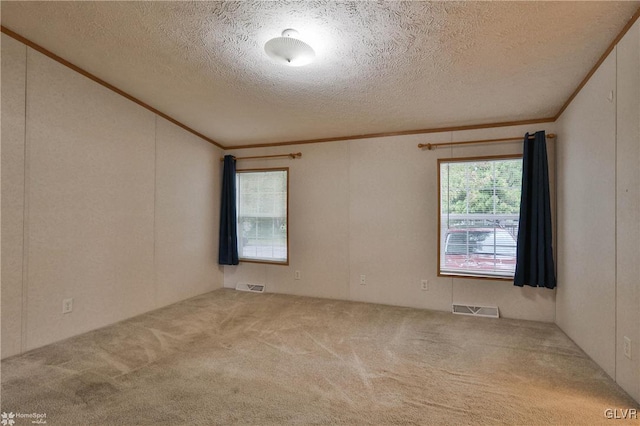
(289, 50)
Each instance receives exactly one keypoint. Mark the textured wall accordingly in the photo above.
(370, 207)
(101, 174)
(13, 126)
(599, 215)
(628, 210)
(188, 181)
(586, 218)
(90, 203)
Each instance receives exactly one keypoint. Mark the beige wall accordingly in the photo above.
(188, 181)
(119, 205)
(13, 124)
(628, 210)
(586, 218)
(599, 216)
(370, 207)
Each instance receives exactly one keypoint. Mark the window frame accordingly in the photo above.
(473, 276)
(262, 261)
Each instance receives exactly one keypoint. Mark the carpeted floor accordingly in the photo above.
(232, 357)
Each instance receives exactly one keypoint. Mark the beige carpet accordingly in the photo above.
(232, 357)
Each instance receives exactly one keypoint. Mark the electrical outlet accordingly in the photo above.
(627, 347)
(67, 306)
(424, 285)
(363, 280)
(296, 275)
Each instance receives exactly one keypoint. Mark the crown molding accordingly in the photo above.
(606, 53)
(400, 133)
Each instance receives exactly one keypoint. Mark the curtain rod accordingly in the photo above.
(292, 155)
(432, 146)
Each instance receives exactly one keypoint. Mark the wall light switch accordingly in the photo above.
(296, 275)
(363, 280)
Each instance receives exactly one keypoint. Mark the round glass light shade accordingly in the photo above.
(289, 50)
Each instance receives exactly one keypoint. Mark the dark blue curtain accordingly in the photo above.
(228, 252)
(534, 265)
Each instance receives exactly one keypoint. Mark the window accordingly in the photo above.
(262, 203)
(479, 212)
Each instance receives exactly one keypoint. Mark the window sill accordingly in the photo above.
(475, 277)
(266, 262)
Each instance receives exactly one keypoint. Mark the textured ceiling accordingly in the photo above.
(380, 66)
